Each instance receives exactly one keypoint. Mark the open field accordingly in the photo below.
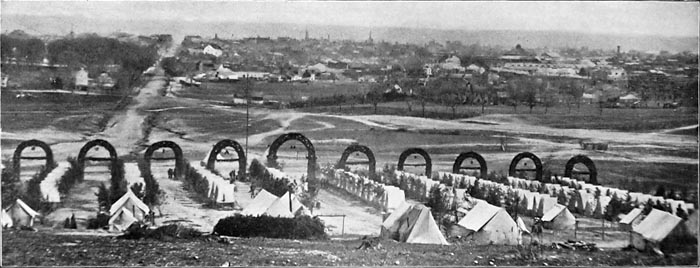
(273, 91)
(79, 249)
(62, 111)
(588, 116)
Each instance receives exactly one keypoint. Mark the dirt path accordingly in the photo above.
(81, 199)
(360, 219)
(179, 207)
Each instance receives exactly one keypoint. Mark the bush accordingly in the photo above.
(302, 227)
(195, 181)
(73, 175)
(264, 179)
(100, 221)
(11, 185)
(152, 192)
(138, 230)
(118, 185)
(33, 196)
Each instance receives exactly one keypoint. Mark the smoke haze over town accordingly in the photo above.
(640, 26)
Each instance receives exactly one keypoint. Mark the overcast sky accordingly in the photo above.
(652, 18)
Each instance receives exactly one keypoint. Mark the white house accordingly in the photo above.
(213, 50)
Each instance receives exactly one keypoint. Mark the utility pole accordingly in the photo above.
(247, 114)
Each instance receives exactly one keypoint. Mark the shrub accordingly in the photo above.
(118, 185)
(195, 182)
(73, 175)
(33, 196)
(138, 230)
(100, 221)
(152, 192)
(11, 185)
(301, 227)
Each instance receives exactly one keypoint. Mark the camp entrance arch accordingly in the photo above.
(512, 171)
(411, 151)
(223, 144)
(582, 159)
(95, 143)
(457, 167)
(17, 156)
(277, 143)
(179, 159)
(371, 161)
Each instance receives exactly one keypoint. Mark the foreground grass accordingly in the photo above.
(48, 249)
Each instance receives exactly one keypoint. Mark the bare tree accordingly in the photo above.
(424, 96)
(375, 95)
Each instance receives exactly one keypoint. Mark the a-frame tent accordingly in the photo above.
(559, 218)
(260, 203)
(21, 214)
(121, 220)
(487, 224)
(412, 224)
(130, 202)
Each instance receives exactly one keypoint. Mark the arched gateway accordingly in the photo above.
(536, 160)
(457, 167)
(179, 159)
(311, 166)
(582, 159)
(371, 162)
(17, 156)
(428, 163)
(219, 146)
(95, 143)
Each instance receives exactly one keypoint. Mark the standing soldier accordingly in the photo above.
(170, 173)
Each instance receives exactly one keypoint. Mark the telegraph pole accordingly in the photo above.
(247, 114)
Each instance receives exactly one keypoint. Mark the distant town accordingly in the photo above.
(615, 77)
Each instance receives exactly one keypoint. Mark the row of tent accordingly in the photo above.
(588, 204)
(220, 190)
(421, 183)
(266, 203)
(386, 196)
(125, 211)
(483, 224)
(49, 186)
(646, 232)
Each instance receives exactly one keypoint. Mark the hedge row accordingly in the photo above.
(73, 175)
(301, 227)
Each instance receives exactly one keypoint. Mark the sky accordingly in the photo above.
(636, 18)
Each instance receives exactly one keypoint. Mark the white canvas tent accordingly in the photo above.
(546, 203)
(6, 220)
(260, 203)
(121, 220)
(21, 214)
(412, 224)
(130, 202)
(654, 229)
(630, 220)
(559, 218)
(487, 224)
(280, 208)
